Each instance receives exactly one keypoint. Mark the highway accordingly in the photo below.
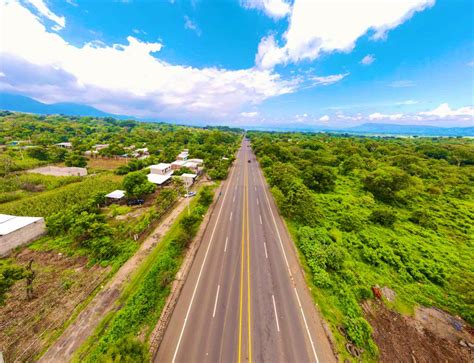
(245, 298)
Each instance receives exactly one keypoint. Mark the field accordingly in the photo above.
(373, 213)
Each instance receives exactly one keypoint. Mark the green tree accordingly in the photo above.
(385, 182)
(75, 159)
(320, 178)
(136, 185)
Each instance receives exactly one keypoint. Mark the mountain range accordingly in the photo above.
(18, 103)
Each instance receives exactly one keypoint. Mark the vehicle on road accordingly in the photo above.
(190, 194)
(135, 202)
(249, 160)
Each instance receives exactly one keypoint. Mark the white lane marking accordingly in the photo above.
(288, 267)
(230, 216)
(255, 188)
(265, 246)
(226, 240)
(258, 202)
(217, 298)
(233, 199)
(276, 315)
(200, 271)
(260, 218)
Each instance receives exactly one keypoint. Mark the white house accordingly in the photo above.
(161, 169)
(183, 155)
(160, 173)
(199, 162)
(64, 145)
(17, 231)
(188, 179)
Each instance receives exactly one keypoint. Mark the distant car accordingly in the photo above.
(249, 160)
(190, 194)
(135, 202)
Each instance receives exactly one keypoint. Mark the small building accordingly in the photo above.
(59, 171)
(115, 196)
(183, 155)
(178, 164)
(18, 231)
(188, 179)
(199, 162)
(99, 147)
(64, 145)
(159, 179)
(140, 153)
(161, 169)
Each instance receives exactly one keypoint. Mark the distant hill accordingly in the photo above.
(12, 102)
(419, 130)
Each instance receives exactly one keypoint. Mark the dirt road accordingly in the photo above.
(87, 321)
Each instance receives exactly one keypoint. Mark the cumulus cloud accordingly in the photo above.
(276, 9)
(328, 80)
(249, 114)
(191, 25)
(323, 26)
(444, 110)
(122, 78)
(380, 116)
(367, 60)
(40, 5)
(324, 118)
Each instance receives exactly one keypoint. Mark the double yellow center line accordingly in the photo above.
(245, 243)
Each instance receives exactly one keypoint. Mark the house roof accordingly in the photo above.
(116, 194)
(10, 224)
(190, 164)
(158, 178)
(179, 162)
(187, 175)
(160, 166)
(197, 161)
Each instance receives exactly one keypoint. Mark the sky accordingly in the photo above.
(259, 63)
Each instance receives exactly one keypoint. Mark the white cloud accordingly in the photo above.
(276, 9)
(323, 26)
(46, 12)
(471, 64)
(381, 116)
(407, 103)
(328, 80)
(444, 110)
(249, 114)
(367, 60)
(404, 83)
(191, 25)
(324, 118)
(122, 78)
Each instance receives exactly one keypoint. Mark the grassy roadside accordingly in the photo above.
(123, 331)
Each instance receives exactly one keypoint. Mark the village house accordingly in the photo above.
(18, 231)
(115, 197)
(188, 179)
(160, 173)
(64, 145)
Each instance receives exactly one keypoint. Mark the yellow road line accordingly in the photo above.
(241, 280)
(248, 274)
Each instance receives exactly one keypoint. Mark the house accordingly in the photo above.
(59, 171)
(160, 173)
(64, 145)
(188, 179)
(199, 162)
(161, 169)
(183, 155)
(178, 164)
(141, 153)
(115, 196)
(18, 231)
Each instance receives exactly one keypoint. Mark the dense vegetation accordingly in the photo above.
(143, 301)
(370, 211)
(30, 140)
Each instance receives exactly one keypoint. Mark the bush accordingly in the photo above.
(126, 350)
(384, 217)
(76, 160)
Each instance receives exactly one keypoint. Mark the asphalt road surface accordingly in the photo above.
(245, 298)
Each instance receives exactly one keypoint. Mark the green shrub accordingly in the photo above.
(384, 217)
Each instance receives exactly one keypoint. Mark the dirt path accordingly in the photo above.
(86, 322)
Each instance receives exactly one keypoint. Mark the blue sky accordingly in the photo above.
(247, 62)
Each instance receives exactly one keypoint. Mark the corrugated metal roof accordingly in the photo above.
(9, 224)
(116, 194)
(158, 178)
